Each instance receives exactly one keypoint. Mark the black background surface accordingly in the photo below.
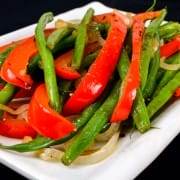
(15, 14)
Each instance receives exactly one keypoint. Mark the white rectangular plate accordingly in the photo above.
(133, 155)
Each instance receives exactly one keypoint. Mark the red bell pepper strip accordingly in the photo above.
(63, 68)
(132, 79)
(177, 93)
(15, 128)
(63, 62)
(170, 48)
(2, 48)
(14, 68)
(99, 73)
(45, 120)
(147, 15)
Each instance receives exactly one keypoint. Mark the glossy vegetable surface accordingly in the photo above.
(93, 83)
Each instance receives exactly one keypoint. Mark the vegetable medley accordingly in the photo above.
(68, 91)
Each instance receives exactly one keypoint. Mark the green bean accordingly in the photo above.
(66, 43)
(8, 90)
(6, 94)
(43, 142)
(151, 80)
(92, 128)
(164, 95)
(89, 59)
(169, 30)
(48, 62)
(123, 64)
(56, 36)
(140, 113)
(4, 54)
(81, 39)
(168, 75)
(148, 46)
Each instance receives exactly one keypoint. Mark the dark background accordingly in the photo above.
(15, 14)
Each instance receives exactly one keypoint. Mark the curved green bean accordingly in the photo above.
(48, 62)
(151, 8)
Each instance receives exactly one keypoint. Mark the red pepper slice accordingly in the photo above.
(147, 15)
(14, 68)
(177, 93)
(4, 47)
(170, 48)
(99, 73)
(45, 120)
(63, 68)
(15, 128)
(132, 79)
(63, 63)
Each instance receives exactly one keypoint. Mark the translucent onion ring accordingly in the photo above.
(171, 67)
(51, 154)
(18, 111)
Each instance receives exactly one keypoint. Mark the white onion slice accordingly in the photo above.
(51, 154)
(107, 134)
(61, 23)
(100, 155)
(21, 99)
(171, 67)
(23, 115)
(19, 110)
